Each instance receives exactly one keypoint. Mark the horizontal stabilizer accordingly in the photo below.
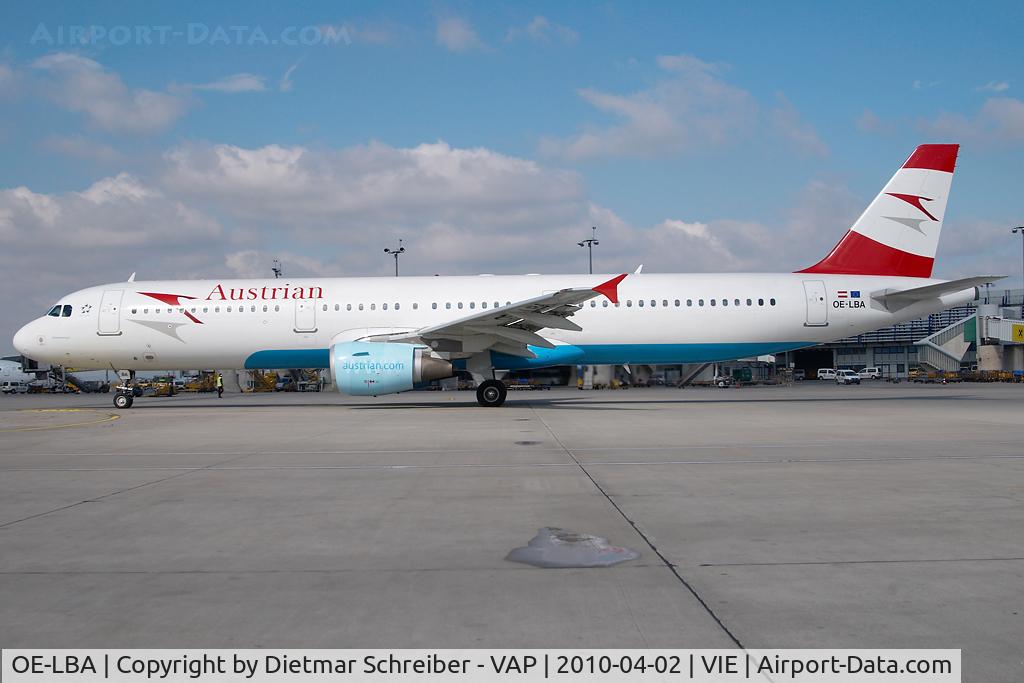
(894, 300)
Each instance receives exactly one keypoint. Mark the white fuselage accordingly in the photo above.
(670, 318)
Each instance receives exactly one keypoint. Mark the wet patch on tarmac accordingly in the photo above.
(560, 548)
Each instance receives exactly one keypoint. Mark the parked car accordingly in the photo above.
(826, 373)
(799, 374)
(847, 377)
(870, 373)
(14, 388)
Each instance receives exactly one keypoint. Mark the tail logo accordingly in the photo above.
(915, 201)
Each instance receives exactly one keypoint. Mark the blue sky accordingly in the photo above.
(697, 136)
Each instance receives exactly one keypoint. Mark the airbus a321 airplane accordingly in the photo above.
(387, 335)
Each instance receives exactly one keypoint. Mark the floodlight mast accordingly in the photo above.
(590, 244)
(395, 252)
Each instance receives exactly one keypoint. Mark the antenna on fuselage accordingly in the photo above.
(131, 278)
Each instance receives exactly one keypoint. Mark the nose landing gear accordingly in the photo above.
(126, 391)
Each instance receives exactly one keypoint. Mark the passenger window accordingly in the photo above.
(206, 309)
(460, 305)
(325, 308)
(497, 304)
(639, 302)
(253, 309)
(337, 307)
(664, 302)
(760, 302)
(134, 311)
(712, 302)
(472, 304)
(67, 311)
(448, 305)
(216, 309)
(348, 307)
(749, 302)
(736, 302)
(654, 303)
(483, 304)
(771, 301)
(397, 306)
(360, 307)
(229, 310)
(433, 306)
(725, 302)
(373, 306)
(55, 311)
(604, 304)
(384, 307)
(629, 303)
(415, 307)
(276, 309)
(593, 303)
(689, 302)
(700, 302)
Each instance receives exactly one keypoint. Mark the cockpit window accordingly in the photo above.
(66, 313)
(55, 311)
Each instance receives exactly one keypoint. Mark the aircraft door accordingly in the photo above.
(110, 312)
(817, 304)
(305, 315)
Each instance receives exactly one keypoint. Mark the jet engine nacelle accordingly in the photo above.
(375, 368)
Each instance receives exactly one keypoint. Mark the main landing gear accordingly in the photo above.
(491, 393)
(126, 391)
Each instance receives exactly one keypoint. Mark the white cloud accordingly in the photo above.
(543, 30)
(870, 122)
(457, 35)
(995, 86)
(787, 123)
(690, 107)
(82, 85)
(285, 84)
(924, 85)
(999, 121)
(236, 83)
(80, 147)
(8, 79)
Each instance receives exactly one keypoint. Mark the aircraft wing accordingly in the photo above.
(894, 300)
(510, 329)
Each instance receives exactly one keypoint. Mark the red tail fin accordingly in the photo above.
(898, 233)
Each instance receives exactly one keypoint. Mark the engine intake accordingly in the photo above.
(375, 368)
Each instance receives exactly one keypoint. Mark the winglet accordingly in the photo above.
(611, 288)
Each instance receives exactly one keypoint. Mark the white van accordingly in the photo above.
(14, 388)
(870, 373)
(826, 373)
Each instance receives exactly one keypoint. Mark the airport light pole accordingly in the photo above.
(1020, 229)
(590, 244)
(395, 253)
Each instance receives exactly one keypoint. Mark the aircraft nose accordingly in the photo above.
(23, 339)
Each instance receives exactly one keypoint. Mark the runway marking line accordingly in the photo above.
(109, 418)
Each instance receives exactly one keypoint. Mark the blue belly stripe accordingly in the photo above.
(591, 354)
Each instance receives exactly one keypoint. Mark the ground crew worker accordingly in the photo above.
(220, 385)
